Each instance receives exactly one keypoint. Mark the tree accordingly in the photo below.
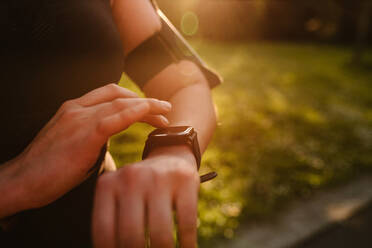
(363, 24)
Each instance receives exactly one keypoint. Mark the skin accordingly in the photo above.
(67, 147)
(145, 194)
(140, 196)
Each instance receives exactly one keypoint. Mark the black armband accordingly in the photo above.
(162, 49)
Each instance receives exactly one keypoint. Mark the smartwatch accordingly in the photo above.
(178, 135)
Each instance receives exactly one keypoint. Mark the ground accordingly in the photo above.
(354, 232)
(293, 119)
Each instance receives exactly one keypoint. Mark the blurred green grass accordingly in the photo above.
(293, 118)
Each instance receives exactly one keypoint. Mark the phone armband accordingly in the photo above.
(164, 48)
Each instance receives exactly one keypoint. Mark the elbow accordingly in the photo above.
(175, 78)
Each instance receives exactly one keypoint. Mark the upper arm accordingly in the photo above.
(136, 21)
(173, 78)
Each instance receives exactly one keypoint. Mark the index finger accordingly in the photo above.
(104, 94)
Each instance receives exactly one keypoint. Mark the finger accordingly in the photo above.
(117, 105)
(131, 226)
(120, 121)
(103, 218)
(160, 222)
(186, 209)
(106, 93)
(156, 120)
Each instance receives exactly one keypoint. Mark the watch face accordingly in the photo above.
(173, 131)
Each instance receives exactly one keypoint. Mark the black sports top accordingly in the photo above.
(51, 51)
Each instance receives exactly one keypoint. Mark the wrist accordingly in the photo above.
(176, 141)
(176, 151)
(12, 189)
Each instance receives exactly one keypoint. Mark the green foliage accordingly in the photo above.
(292, 119)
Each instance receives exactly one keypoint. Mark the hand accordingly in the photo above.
(142, 196)
(61, 155)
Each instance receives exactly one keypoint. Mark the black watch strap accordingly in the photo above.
(191, 140)
(161, 137)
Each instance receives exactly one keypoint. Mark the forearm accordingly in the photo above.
(192, 104)
(11, 191)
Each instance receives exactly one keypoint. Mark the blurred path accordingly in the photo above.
(330, 218)
(353, 232)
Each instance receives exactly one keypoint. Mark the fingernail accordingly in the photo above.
(164, 121)
(166, 105)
